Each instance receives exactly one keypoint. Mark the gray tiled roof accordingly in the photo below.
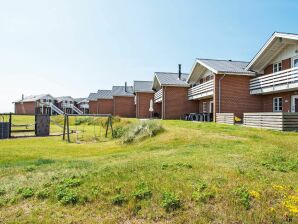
(226, 66)
(80, 100)
(101, 94)
(142, 86)
(62, 98)
(120, 91)
(166, 78)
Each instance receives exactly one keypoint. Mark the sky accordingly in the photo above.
(74, 47)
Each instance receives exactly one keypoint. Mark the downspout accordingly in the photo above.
(219, 93)
(164, 102)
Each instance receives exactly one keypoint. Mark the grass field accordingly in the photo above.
(190, 173)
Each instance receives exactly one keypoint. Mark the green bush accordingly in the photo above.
(2, 191)
(43, 194)
(26, 192)
(71, 182)
(243, 196)
(118, 199)
(140, 130)
(142, 192)
(170, 201)
(118, 131)
(67, 196)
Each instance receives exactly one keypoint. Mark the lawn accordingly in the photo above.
(189, 173)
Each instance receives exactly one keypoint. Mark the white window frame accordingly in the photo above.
(278, 68)
(293, 59)
(276, 107)
(293, 97)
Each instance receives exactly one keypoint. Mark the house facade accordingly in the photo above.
(123, 101)
(101, 102)
(143, 95)
(276, 66)
(82, 104)
(34, 104)
(171, 95)
(222, 86)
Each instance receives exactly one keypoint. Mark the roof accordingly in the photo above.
(171, 79)
(80, 100)
(62, 98)
(270, 49)
(142, 86)
(101, 94)
(120, 91)
(33, 98)
(225, 66)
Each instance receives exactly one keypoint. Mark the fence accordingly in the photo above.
(225, 118)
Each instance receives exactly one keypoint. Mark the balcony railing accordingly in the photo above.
(202, 90)
(158, 96)
(66, 105)
(279, 81)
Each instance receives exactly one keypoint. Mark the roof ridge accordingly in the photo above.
(172, 73)
(229, 60)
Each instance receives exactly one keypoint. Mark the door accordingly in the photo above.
(294, 103)
(295, 62)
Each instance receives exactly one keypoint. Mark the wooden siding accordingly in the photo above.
(225, 118)
(277, 121)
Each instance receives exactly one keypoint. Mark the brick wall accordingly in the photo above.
(176, 104)
(157, 109)
(25, 108)
(235, 95)
(285, 64)
(124, 106)
(143, 104)
(267, 101)
(101, 106)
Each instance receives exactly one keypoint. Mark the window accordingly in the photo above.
(277, 104)
(277, 67)
(204, 107)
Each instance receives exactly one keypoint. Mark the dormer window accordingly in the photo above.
(277, 67)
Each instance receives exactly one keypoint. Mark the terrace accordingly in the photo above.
(275, 82)
(202, 90)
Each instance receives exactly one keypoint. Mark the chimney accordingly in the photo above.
(22, 96)
(179, 71)
(125, 87)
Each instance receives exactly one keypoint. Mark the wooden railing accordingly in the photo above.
(201, 90)
(283, 80)
(272, 120)
(158, 96)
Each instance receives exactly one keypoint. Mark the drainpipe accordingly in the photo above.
(219, 93)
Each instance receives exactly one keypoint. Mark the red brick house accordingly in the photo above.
(101, 102)
(123, 101)
(276, 65)
(143, 95)
(171, 95)
(222, 86)
(34, 104)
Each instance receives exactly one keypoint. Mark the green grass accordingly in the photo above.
(190, 173)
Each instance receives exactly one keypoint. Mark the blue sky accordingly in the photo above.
(72, 47)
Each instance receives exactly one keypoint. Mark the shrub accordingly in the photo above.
(71, 182)
(2, 191)
(26, 192)
(67, 196)
(142, 192)
(280, 163)
(43, 194)
(118, 199)
(243, 196)
(170, 201)
(140, 130)
(202, 193)
(118, 131)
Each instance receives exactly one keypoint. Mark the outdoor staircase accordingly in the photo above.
(77, 110)
(56, 109)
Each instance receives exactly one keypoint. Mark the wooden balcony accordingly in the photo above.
(286, 80)
(202, 90)
(158, 96)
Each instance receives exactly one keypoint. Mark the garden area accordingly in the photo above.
(150, 172)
